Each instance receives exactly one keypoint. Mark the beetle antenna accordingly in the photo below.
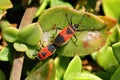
(82, 18)
(69, 21)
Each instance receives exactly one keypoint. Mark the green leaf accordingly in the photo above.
(106, 58)
(5, 4)
(87, 76)
(110, 22)
(10, 34)
(119, 31)
(2, 75)
(20, 47)
(116, 50)
(6, 54)
(32, 52)
(111, 8)
(51, 19)
(59, 2)
(61, 64)
(85, 39)
(4, 24)
(113, 38)
(31, 34)
(74, 69)
(116, 75)
(45, 72)
(2, 13)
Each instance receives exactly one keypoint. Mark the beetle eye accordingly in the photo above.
(76, 25)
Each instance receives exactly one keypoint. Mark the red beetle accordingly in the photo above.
(46, 52)
(67, 33)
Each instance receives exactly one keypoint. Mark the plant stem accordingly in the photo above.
(19, 57)
(17, 67)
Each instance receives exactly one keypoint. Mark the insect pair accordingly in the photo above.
(64, 35)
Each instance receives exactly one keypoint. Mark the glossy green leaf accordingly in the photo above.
(32, 52)
(74, 69)
(110, 22)
(51, 19)
(116, 50)
(20, 47)
(85, 39)
(10, 34)
(61, 64)
(45, 72)
(106, 58)
(114, 35)
(31, 34)
(2, 75)
(111, 8)
(5, 4)
(116, 75)
(2, 13)
(94, 56)
(87, 76)
(119, 31)
(59, 2)
(4, 24)
(6, 54)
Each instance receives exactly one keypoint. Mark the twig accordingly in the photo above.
(29, 14)
(17, 67)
